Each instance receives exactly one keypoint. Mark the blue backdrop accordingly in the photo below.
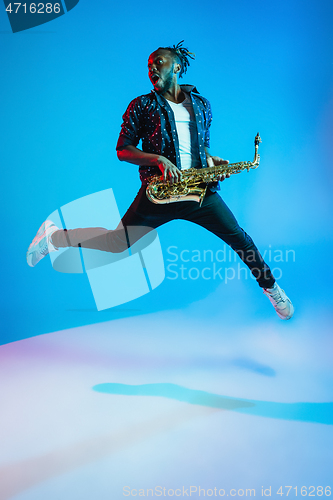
(265, 66)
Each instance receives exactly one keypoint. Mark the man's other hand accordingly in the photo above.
(213, 161)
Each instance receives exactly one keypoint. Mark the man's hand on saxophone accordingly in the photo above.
(213, 161)
(170, 172)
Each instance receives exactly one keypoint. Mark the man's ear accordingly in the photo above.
(177, 68)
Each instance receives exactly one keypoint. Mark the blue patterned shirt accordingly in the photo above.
(150, 118)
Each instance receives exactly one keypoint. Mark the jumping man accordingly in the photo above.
(173, 122)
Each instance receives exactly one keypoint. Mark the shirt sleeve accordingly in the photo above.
(208, 122)
(131, 127)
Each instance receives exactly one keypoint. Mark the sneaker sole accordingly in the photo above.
(290, 315)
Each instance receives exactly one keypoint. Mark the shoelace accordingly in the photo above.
(44, 250)
(277, 297)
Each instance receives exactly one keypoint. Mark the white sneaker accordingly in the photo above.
(41, 244)
(281, 303)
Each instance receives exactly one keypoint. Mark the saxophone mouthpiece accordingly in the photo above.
(257, 139)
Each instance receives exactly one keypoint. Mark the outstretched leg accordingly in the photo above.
(215, 216)
(141, 218)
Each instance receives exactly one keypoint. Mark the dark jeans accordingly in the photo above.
(143, 216)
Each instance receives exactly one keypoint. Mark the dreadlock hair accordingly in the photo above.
(182, 54)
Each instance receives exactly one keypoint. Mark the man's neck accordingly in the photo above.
(174, 94)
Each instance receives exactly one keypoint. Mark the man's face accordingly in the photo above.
(161, 70)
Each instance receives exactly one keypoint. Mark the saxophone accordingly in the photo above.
(194, 183)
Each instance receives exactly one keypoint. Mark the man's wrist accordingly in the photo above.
(155, 160)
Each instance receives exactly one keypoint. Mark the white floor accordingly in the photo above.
(63, 438)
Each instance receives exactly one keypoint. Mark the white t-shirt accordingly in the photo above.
(187, 133)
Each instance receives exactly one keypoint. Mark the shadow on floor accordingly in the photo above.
(321, 413)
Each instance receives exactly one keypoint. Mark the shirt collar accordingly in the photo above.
(185, 88)
(189, 88)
